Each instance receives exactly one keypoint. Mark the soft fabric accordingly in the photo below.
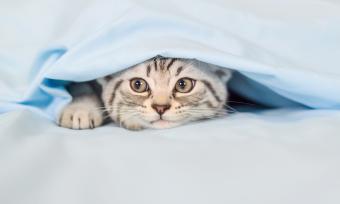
(264, 158)
(289, 49)
(287, 55)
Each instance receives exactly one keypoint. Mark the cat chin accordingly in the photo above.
(163, 124)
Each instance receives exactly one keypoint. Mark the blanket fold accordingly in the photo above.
(288, 49)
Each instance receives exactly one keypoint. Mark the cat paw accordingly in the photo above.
(132, 126)
(76, 116)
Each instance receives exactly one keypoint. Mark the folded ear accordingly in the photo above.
(223, 73)
(104, 80)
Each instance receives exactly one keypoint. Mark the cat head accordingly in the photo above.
(165, 92)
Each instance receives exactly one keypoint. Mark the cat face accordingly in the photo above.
(164, 93)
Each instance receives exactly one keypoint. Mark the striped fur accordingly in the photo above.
(136, 111)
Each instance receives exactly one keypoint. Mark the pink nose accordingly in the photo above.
(160, 109)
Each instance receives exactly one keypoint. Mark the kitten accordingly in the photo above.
(159, 93)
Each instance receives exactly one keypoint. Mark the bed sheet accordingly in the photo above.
(276, 156)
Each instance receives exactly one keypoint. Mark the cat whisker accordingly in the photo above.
(231, 108)
(200, 112)
(239, 102)
(213, 113)
(207, 109)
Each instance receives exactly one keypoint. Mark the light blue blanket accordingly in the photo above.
(288, 52)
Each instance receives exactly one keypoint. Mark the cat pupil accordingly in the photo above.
(138, 84)
(182, 84)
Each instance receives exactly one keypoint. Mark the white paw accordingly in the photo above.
(79, 116)
(132, 126)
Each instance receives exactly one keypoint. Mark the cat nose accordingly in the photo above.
(160, 109)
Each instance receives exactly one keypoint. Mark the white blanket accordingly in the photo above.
(271, 157)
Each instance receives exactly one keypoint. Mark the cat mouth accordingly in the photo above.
(160, 121)
(163, 124)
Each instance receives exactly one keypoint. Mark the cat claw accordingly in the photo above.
(79, 117)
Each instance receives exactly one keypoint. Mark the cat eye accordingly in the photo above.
(184, 85)
(139, 85)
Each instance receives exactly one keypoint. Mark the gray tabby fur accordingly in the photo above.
(135, 111)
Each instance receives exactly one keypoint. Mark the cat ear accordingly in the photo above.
(224, 74)
(104, 80)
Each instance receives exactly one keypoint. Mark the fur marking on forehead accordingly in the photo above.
(163, 65)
